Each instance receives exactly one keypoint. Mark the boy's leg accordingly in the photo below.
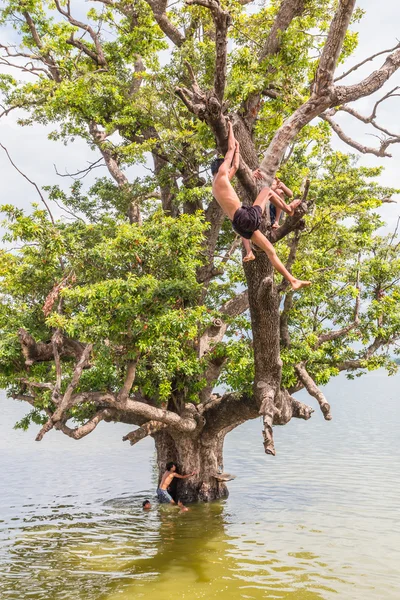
(268, 194)
(262, 198)
(261, 241)
(278, 213)
(249, 251)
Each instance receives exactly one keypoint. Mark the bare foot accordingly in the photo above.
(182, 507)
(293, 205)
(248, 257)
(297, 284)
(275, 225)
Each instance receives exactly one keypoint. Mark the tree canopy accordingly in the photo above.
(135, 307)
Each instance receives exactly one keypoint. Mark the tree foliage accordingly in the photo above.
(146, 271)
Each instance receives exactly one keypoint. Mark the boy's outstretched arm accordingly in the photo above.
(236, 160)
(184, 476)
(231, 147)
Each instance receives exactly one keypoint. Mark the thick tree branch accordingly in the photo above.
(284, 320)
(231, 410)
(369, 85)
(129, 380)
(212, 336)
(333, 46)
(359, 363)
(145, 430)
(222, 20)
(313, 390)
(358, 65)
(43, 351)
(159, 8)
(86, 428)
(110, 158)
(288, 10)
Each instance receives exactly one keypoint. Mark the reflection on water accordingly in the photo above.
(319, 521)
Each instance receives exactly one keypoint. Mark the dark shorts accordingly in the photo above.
(272, 213)
(246, 220)
(163, 496)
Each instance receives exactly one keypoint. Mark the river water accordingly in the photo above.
(318, 521)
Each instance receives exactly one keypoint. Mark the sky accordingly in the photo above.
(36, 155)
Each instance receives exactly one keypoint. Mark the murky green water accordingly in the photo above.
(319, 521)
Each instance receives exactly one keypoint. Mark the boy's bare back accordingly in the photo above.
(224, 193)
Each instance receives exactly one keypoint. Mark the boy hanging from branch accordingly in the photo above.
(246, 220)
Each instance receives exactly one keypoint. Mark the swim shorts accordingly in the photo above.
(164, 497)
(246, 220)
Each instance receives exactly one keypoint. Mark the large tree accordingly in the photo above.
(135, 307)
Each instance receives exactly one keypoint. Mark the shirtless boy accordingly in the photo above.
(246, 220)
(275, 211)
(162, 493)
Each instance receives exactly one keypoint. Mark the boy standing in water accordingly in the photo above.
(162, 493)
(246, 220)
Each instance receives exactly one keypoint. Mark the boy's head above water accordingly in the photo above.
(146, 505)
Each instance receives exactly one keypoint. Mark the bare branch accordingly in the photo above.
(83, 172)
(372, 117)
(359, 363)
(55, 73)
(37, 384)
(31, 182)
(313, 390)
(365, 61)
(100, 58)
(381, 152)
(85, 49)
(68, 401)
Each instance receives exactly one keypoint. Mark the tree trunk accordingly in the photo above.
(204, 455)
